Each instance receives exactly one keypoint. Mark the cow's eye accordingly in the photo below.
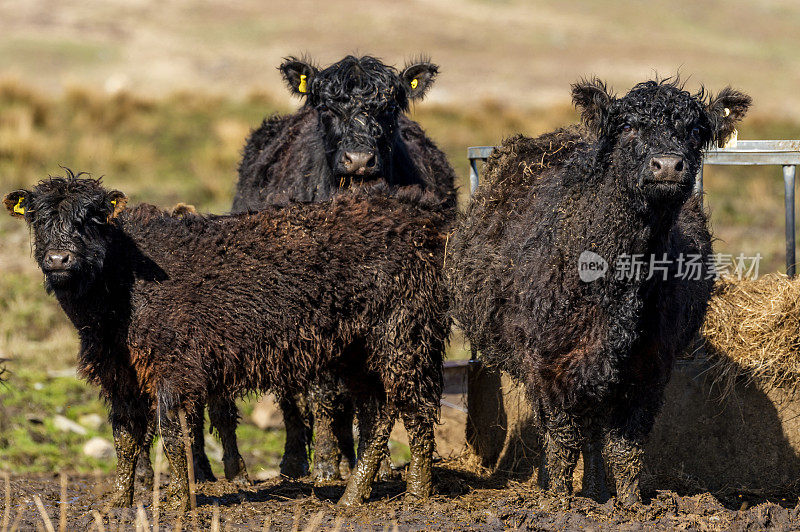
(626, 128)
(695, 133)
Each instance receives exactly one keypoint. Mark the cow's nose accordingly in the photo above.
(359, 162)
(58, 260)
(667, 168)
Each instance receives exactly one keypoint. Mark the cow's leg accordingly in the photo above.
(343, 416)
(323, 402)
(129, 426)
(366, 419)
(294, 463)
(175, 451)
(419, 482)
(629, 426)
(626, 457)
(225, 417)
(202, 466)
(594, 483)
(624, 448)
(562, 447)
(373, 448)
(144, 468)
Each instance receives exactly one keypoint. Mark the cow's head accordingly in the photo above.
(71, 220)
(653, 137)
(359, 101)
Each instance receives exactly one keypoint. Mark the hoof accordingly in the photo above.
(121, 500)
(235, 471)
(294, 468)
(203, 471)
(350, 499)
(631, 503)
(177, 504)
(203, 475)
(324, 472)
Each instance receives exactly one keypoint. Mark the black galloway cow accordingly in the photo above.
(351, 129)
(534, 276)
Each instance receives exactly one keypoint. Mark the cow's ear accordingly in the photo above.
(418, 78)
(298, 75)
(725, 110)
(592, 98)
(116, 203)
(17, 202)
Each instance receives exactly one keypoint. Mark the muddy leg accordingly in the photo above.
(129, 430)
(626, 457)
(171, 435)
(144, 468)
(372, 452)
(594, 483)
(202, 467)
(366, 422)
(326, 448)
(561, 448)
(294, 463)
(225, 417)
(419, 482)
(127, 449)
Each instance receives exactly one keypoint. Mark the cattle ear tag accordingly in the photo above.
(414, 83)
(18, 208)
(303, 87)
(114, 202)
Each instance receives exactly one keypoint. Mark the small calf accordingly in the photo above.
(175, 311)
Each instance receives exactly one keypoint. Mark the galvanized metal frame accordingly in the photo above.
(784, 153)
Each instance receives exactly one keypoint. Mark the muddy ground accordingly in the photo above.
(465, 500)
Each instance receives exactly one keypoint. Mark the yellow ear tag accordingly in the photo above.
(727, 112)
(18, 208)
(414, 83)
(303, 87)
(114, 202)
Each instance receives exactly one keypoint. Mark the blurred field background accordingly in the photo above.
(158, 98)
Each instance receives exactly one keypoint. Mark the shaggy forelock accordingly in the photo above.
(658, 102)
(56, 199)
(364, 80)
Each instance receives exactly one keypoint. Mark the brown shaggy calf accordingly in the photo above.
(174, 312)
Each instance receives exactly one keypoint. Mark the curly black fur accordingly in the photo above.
(595, 356)
(357, 104)
(177, 311)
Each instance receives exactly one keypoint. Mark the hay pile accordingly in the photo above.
(752, 330)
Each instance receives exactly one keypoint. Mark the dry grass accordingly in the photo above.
(752, 330)
(518, 51)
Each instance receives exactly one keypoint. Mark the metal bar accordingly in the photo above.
(789, 173)
(473, 176)
(698, 184)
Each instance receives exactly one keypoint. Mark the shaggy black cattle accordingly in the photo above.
(594, 349)
(352, 128)
(174, 312)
